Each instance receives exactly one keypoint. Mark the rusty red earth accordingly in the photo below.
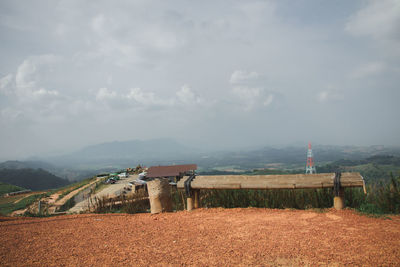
(218, 237)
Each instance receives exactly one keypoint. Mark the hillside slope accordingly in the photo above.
(34, 179)
(7, 188)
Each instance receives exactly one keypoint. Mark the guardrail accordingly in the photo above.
(17, 193)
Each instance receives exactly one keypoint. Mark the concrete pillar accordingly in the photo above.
(338, 201)
(196, 199)
(189, 203)
(159, 195)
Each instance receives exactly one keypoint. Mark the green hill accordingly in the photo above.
(375, 168)
(34, 179)
(7, 188)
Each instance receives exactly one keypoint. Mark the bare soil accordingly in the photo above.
(218, 237)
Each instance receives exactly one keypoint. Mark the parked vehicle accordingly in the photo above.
(111, 181)
(123, 175)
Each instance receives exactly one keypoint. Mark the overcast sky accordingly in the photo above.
(214, 73)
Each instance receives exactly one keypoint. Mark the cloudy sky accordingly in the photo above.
(214, 73)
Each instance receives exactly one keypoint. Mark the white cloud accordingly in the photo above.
(143, 98)
(6, 84)
(98, 23)
(369, 69)
(187, 96)
(147, 98)
(29, 76)
(248, 90)
(10, 114)
(160, 39)
(235, 57)
(379, 21)
(329, 95)
(105, 94)
(251, 98)
(24, 78)
(240, 76)
(268, 101)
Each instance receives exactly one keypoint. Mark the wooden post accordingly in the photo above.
(338, 201)
(196, 199)
(190, 203)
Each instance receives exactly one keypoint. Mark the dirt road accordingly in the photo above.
(215, 237)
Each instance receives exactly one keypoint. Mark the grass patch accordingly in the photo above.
(132, 203)
(70, 188)
(9, 206)
(7, 188)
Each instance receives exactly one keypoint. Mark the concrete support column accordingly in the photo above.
(196, 199)
(159, 195)
(338, 201)
(190, 203)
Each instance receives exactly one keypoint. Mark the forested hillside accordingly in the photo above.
(34, 179)
(375, 168)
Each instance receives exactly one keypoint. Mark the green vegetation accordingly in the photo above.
(8, 205)
(381, 198)
(275, 199)
(7, 188)
(132, 203)
(67, 205)
(34, 179)
(68, 189)
(373, 169)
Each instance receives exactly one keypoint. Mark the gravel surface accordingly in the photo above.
(218, 237)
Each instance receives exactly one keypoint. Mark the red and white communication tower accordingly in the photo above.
(310, 168)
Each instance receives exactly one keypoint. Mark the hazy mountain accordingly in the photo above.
(15, 164)
(129, 152)
(35, 179)
(69, 173)
(112, 156)
(290, 156)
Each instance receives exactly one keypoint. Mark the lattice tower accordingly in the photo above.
(310, 168)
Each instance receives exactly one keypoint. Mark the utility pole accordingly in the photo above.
(310, 168)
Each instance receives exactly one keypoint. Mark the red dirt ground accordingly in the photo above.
(219, 237)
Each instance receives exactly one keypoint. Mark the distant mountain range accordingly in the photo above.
(126, 152)
(15, 164)
(112, 156)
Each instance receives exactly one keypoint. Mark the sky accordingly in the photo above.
(218, 74)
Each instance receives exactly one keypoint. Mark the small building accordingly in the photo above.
(173, 172)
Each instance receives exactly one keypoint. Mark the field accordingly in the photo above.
(6, 188)
(219, 237)
(18, 202)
